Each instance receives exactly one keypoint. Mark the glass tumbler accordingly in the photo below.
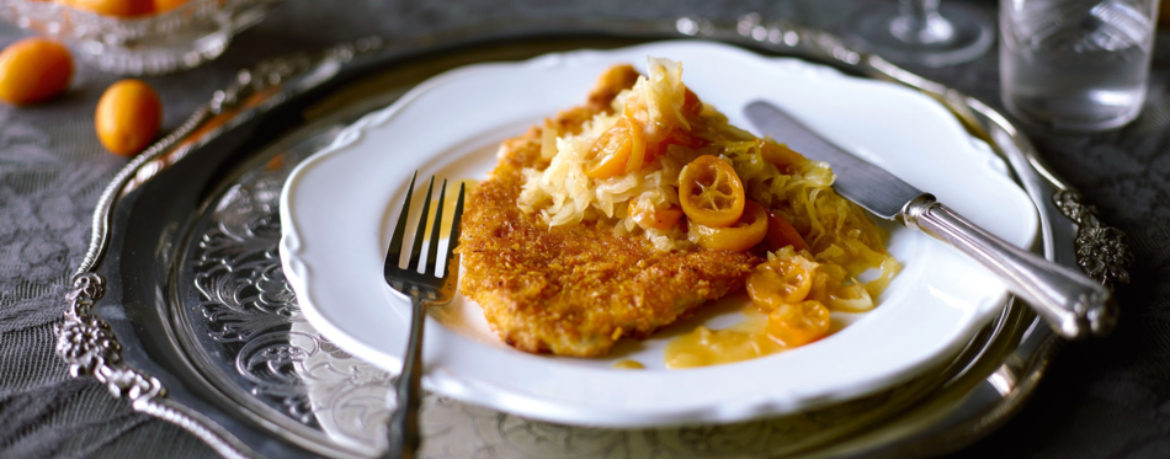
(1076, 65)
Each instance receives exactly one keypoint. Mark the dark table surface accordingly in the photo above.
(1101, 398)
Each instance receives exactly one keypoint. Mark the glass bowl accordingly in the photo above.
(178, 39)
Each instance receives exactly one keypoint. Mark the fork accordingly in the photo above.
(423, 289)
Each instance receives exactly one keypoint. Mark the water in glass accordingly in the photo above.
(1076, 65)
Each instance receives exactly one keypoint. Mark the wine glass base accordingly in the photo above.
(971, 35)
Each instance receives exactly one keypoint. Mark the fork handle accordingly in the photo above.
(404, 438)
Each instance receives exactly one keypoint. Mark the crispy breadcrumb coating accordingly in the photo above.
(575, 290)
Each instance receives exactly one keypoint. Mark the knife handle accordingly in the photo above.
(1072, 303)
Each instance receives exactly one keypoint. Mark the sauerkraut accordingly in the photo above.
(840, 238)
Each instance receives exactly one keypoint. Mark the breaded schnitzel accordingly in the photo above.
(576, 289)
(619, 216)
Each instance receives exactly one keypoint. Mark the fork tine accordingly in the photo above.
(433, 249)
(416, 250)
(455, 227)
(394, 253)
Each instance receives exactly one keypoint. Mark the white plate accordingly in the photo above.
(339, 207)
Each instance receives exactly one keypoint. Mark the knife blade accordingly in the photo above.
(869, 186)
(1074, 305)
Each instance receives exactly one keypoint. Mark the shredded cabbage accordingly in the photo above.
(841, 240)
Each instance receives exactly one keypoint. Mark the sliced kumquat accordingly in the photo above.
(691, 103)
(799, 324)
(648, 217)
(780, 281)
(657, 144)
(779, 154)
(711, 193)
(637, 146)
(611, 154)
(781, 233)
(635, 109)
(744, 234)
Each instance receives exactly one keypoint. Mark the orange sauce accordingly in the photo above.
(448, 205)
(745, 340)
(627, 364)
(703, 347)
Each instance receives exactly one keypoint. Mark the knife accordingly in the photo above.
(1074, 305)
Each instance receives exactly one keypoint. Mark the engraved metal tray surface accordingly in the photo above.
(184, 309)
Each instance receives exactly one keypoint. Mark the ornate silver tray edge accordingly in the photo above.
(88, 345)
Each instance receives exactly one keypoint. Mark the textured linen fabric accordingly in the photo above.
(1101, 398)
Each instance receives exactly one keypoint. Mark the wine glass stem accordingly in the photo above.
(920, 23)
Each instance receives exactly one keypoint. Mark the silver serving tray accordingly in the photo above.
(181, 307)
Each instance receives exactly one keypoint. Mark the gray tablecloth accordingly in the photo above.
(1101, 398)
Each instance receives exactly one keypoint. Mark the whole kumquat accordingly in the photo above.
(118, 8)
(128, 116)
(162, 6)
(34, 69)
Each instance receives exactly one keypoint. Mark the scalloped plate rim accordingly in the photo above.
(472, 390)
